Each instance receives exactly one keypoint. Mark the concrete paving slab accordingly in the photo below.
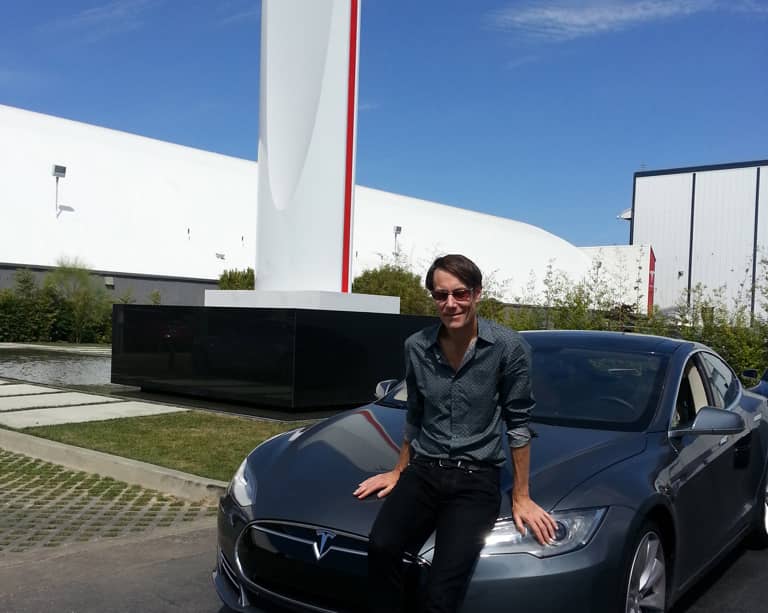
(82, 413)
(24, 389)
(38, 401)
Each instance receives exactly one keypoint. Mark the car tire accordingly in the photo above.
(646, 577)
(758, 538)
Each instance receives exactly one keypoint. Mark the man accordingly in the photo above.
(465, 377)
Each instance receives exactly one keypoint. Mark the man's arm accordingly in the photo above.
(384, 482)
(516, 399)
(524, 510)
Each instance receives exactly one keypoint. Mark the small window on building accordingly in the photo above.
(109, 282)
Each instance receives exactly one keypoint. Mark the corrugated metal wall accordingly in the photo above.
(723, 232)
(662, 219)
(701, 225)
(761, 305)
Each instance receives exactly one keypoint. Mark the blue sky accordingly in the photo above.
(537, 111)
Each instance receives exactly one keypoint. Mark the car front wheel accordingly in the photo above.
(646, 573)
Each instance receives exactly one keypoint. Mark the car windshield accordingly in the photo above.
(587, 388)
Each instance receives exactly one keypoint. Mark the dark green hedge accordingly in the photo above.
(70, 306)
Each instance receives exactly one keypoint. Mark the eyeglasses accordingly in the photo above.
(462, 294)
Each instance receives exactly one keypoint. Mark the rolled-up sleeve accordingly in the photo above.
(515, 394)
(415, 401)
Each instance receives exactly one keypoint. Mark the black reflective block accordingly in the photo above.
(282, 358)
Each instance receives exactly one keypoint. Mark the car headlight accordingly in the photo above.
(574, 529)
(240, 488)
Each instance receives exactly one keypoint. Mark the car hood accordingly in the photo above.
(309, 476)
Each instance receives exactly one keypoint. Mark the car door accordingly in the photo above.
(732, 460)
(688, 479)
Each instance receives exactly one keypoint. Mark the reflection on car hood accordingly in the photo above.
(309, 477)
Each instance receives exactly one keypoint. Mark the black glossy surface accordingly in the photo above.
(282, 358)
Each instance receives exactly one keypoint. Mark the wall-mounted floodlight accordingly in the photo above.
(397, 230)
(59, 172)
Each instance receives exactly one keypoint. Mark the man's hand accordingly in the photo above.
(382, 483)
(526, 512)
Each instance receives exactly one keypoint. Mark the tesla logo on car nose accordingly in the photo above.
(322, 544)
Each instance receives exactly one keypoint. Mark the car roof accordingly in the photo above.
(609, 341)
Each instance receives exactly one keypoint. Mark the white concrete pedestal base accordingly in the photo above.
(317, 300)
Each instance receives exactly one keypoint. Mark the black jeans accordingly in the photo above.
(460, 505)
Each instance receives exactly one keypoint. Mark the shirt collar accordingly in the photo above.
(484, 332)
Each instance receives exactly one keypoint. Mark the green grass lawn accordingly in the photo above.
(205, 444)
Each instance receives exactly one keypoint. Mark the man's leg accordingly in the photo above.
(407, 517)
(464, 520)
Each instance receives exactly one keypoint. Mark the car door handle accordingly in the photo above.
(723, 440)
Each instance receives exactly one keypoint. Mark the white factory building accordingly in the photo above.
(151, 215)
(708, 226)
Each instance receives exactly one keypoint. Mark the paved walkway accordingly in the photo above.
(24, 405)
(44, 505)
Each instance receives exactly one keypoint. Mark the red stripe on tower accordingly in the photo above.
(349, 179)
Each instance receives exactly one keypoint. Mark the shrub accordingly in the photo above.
(237, 279)
(396, 280)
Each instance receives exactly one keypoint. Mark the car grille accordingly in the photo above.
(323, 569)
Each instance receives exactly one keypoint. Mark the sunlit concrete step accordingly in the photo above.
(25, 389)
(57, 399)
(83, 413)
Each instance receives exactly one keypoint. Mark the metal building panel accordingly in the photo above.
(723, 233)
(662, 218)
(761, 277)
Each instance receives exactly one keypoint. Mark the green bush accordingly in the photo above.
(70, 306)
(396, 280)
(237, 279)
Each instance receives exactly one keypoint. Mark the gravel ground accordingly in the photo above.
(44, 505)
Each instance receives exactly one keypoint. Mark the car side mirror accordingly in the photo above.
(710, 420)
(384, 387)
(750, 373)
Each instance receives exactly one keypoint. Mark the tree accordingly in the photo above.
(396, 280)
(237, 279)
(85, 298)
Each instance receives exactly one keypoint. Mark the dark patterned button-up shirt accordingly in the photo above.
(459, 414)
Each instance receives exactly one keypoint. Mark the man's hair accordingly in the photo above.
(460, 266)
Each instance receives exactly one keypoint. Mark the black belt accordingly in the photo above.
(449, 463)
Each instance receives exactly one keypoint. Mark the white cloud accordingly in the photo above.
(568, 19)
(99, 22)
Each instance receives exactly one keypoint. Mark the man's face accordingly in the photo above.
(455, 313)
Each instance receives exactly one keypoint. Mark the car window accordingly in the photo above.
(587, 388)
(595, 388)
(691, 396)
(724, 384)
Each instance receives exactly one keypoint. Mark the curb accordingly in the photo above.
(134, 472)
